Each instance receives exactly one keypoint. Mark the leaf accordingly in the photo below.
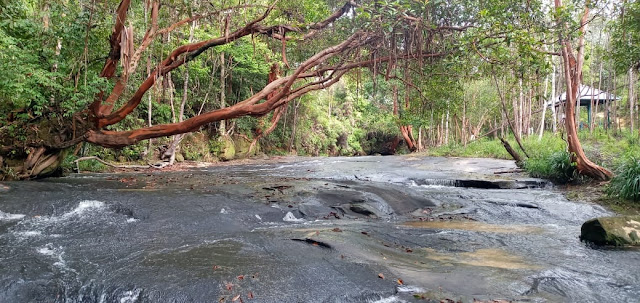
(235, 298)
(381, 276)
(250, 295)
(400, 282)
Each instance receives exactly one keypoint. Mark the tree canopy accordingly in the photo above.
(116, 73)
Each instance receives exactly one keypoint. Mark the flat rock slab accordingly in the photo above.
(617, 231)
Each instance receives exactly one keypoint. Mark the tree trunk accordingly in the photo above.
(631, 100)
(446, 126)
(514, 154)
(274, 74)
(529, 112)
(420, 138)
(554, 114)
(404, 129)
(223, 99)
(177, 139)
(544, 107)
(506, 116)
(293, 129)
(595, 111)
(573, 74)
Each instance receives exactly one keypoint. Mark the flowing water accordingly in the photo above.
(372, 229)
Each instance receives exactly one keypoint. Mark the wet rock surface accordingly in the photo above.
(305, 230)
(616, 231)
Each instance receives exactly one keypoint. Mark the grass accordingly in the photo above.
(549, 159)
(626, 183)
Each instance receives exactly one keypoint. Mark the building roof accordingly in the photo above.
(586, 93)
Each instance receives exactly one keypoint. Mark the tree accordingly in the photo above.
(338, 45)
(572, 65)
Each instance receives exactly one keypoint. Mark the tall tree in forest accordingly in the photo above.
(572, 64)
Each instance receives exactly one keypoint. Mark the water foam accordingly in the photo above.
(131, 296)
(29, 233)
(289, 217)
(85, 206)
(10, 217)
(56, 253)
(392, 299)
(410, 289)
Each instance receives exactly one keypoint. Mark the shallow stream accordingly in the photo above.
(369, 229)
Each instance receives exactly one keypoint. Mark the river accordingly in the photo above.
(364, 229)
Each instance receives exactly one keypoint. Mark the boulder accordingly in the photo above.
(617, 231)
(228, 149)
(179, 157)
(242, 147)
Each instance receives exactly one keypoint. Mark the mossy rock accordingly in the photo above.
(242, 147)
(179, 157)
(228, 151)
(617, 231)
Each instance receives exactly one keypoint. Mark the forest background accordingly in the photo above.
(439, 77)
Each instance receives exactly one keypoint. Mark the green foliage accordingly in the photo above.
(558, 167)
(69, 165)
(483, 148)
(548, 156)
(626, 37)
(626, 183)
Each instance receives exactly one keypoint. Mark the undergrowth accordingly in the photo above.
(626, 183)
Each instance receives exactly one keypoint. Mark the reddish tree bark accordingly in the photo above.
(319, 71)
(573, 75)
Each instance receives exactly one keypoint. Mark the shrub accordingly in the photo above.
(626, 183)
(558, 167)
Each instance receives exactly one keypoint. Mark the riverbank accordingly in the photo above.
(606, 149)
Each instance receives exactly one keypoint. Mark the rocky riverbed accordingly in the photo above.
(368, 229)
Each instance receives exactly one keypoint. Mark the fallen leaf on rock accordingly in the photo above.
(400, 282)
(229, 286)
(250, 295)
(235, 298)
(381, 276)
(216, 267)
(240, 277)
(221, 300)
